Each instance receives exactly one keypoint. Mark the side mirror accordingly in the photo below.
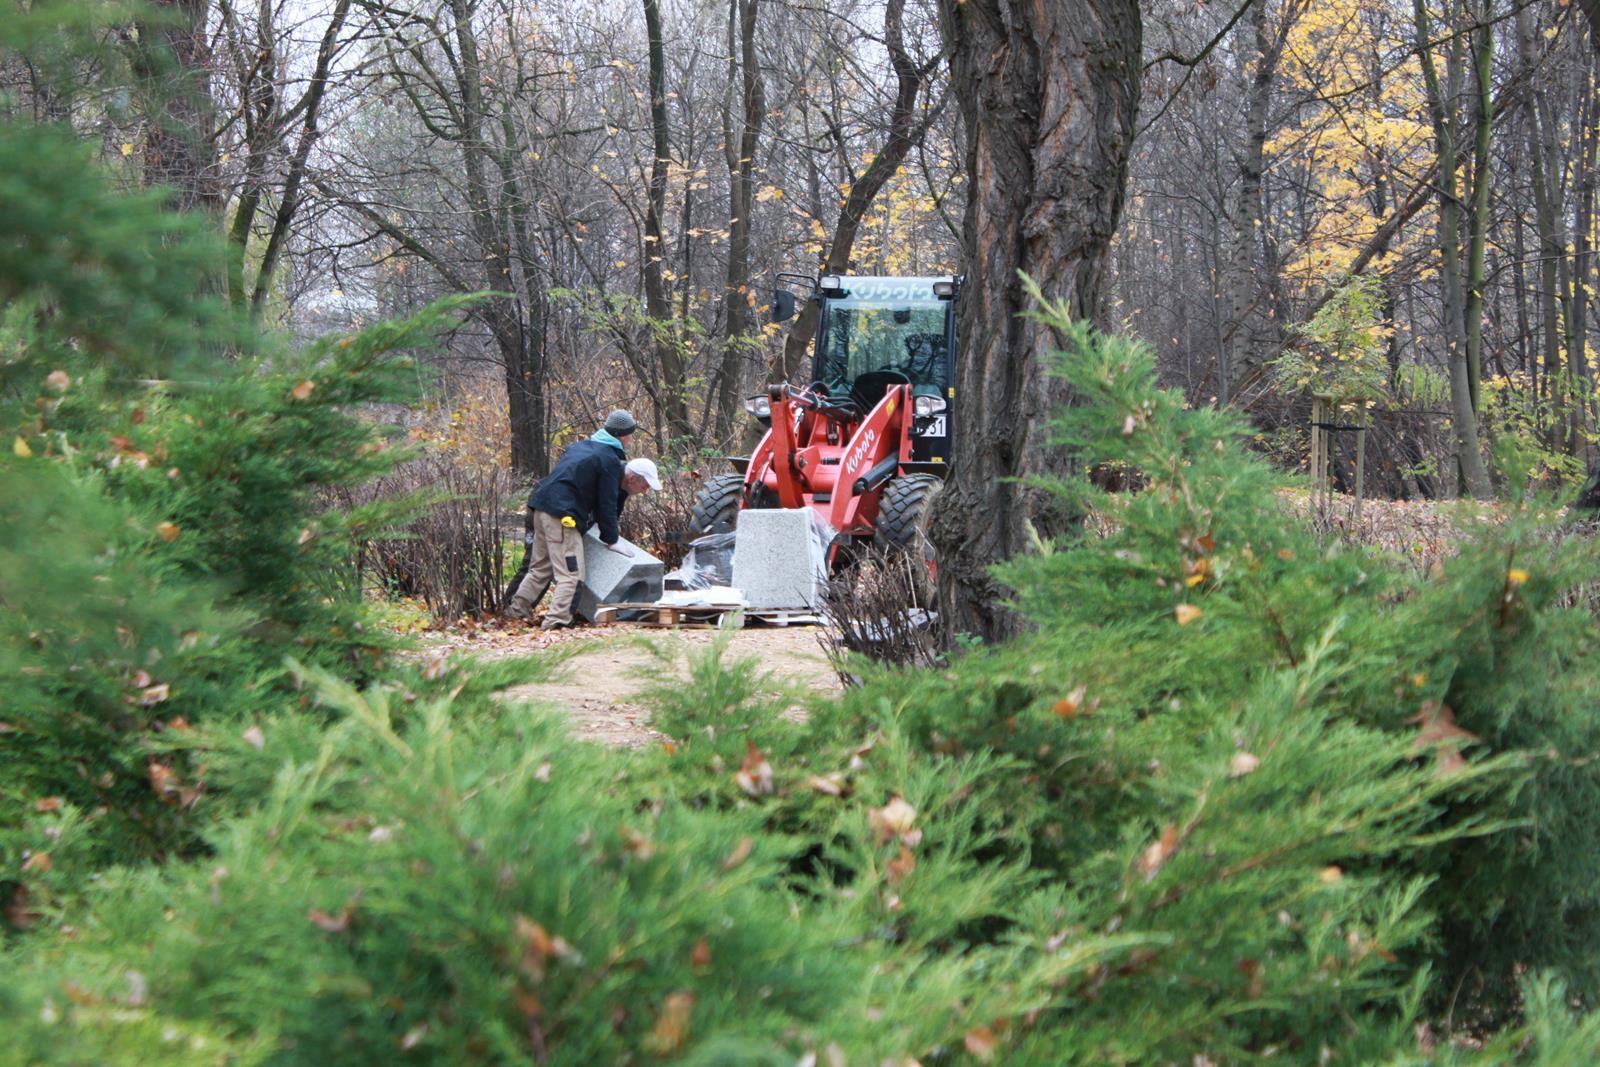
(782, 306)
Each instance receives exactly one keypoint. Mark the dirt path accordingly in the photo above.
(600, 689)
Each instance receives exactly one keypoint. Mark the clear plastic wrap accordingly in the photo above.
(708, 563)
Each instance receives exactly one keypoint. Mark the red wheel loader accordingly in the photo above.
(866, 445)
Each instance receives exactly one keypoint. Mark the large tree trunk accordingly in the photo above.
(1551, 247)
(1240, 352)
(1478, 219)
(1591, 11)
(1049, 93)
(674, 401)
(1582, 256)
(172, 59)
(1443, 111)
(502, 314)
(740, 132)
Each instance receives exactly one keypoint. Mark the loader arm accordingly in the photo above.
(873, 454)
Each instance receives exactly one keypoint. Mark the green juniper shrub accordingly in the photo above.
(1237, 795)
(1206, 637)
(436, 874)
(164, 542)
(159, 575)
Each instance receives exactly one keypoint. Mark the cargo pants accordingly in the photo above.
(555, 555)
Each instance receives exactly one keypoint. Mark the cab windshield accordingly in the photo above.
(866, 332)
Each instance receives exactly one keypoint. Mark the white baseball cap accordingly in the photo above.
(646, 469)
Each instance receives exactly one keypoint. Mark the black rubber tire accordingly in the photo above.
(716, 506)
(904, 510)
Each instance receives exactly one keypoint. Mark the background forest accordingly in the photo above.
(631, 179)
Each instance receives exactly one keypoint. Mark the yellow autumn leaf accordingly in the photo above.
(1516, 576)
(303, 390)
(20, 448)
(1186, 613)
(127, 148)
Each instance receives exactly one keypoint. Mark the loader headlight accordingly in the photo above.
(761, 407)
(923, 406)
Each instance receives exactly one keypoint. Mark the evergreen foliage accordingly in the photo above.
(165, 541)
(1238, 794)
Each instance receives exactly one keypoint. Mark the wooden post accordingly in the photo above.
(1361, 456)
(1319, 457)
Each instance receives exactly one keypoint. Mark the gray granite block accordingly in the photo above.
(612, 579)
(778, 559)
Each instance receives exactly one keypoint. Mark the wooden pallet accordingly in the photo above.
(783, 616)
(682, 616)
(702, 616)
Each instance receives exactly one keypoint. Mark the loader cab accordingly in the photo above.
(873, 332)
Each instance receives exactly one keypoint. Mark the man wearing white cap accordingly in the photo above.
(588, 487)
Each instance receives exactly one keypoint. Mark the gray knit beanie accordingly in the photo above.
(619, 423)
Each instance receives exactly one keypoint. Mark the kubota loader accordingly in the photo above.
(867, 443)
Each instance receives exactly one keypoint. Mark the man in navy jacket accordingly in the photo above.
(587, 488)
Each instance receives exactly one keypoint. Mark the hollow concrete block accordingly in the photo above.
(613, 579)
(778, 561)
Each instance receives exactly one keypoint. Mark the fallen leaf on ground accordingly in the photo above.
(740, 853)
(1072, 703)
(980, 1040)
(754, 775)
(1242, 764)
(893, 818)
(333, 924)
(671, 1030)
(1155, 855)
(900, 867)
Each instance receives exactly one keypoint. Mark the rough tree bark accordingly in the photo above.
(172, 60)
(1049, 93)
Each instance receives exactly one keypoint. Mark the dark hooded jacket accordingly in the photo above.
(585, 485)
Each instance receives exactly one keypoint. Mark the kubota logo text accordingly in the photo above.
(859, 453)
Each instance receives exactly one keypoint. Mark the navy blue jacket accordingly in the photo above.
(587, 485)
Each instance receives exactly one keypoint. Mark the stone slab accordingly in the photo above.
(778, 560)
(612, 579)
